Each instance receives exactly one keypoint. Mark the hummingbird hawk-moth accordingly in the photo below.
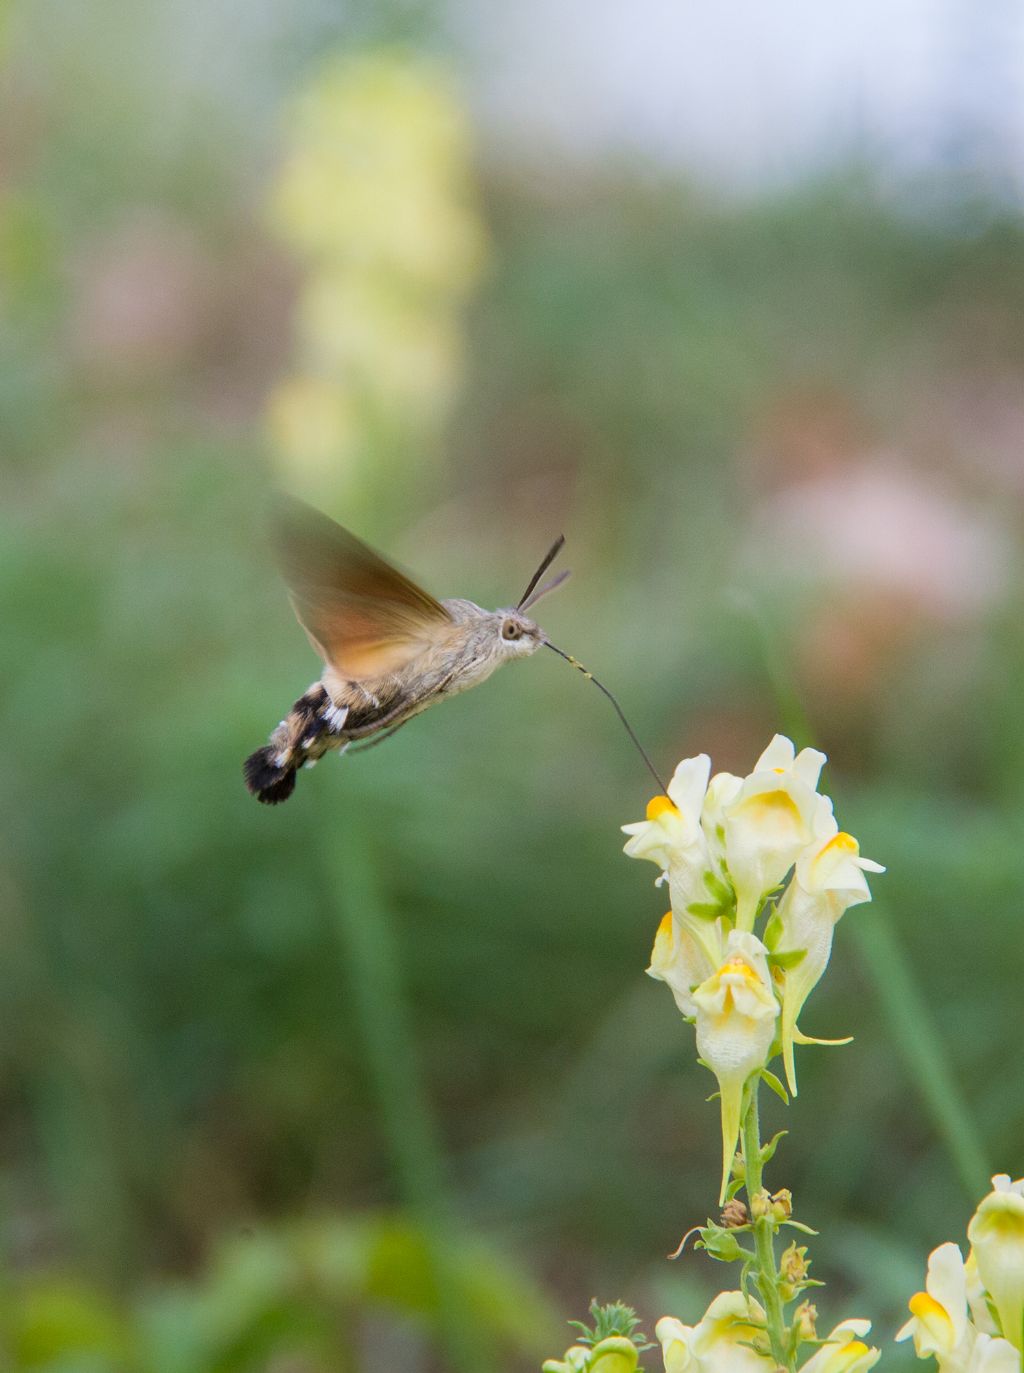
(390, 650)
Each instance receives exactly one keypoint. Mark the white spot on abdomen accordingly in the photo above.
(336, 716)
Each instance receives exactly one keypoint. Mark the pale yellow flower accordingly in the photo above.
(938, 1316)
(829, 878)
(722, 789)
(720, 1342)
(768, 822)
(575, 1361)
(672, 837)
(941, 1328)
(993, 1355)
(977, 1298)
(679, 960)
(736, 1015)
(996, 1232)
(844, 1351)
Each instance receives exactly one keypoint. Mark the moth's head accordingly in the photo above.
(499, 635)
(495, 635)
(517, 636)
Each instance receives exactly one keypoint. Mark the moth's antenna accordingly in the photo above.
(618, 709)
(552, 554)
(543, 591)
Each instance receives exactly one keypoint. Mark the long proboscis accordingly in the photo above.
(573, 662)
(549, 558)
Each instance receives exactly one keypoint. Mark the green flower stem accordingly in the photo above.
(366, 933)
(920, 1042)
(766, 1274)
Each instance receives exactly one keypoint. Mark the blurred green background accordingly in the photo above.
(374, 1080)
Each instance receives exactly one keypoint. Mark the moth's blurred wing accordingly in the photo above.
(363, 617)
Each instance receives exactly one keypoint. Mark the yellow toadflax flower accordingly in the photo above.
(829, 879)
(682, 962)
(977, 1297)
(736, 1015)
(938, 1316)
(575, 1361)
(672, 836)
(997, 1233)
(768, 822)
(990, 1355)
(844, 1351)
(941, 1328)
(676, 1340)
(720, 1343)
(722, 789)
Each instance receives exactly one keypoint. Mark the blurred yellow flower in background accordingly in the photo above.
(375, 200)
(379, 338)
(312, 420)
(379, 172)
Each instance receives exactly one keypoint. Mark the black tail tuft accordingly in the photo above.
(267, 780)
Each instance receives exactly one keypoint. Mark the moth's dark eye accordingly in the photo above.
(511, 630)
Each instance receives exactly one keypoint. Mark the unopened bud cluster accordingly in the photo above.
(613, 1343)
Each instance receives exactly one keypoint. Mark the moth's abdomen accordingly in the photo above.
(311, 727)
(266, 778)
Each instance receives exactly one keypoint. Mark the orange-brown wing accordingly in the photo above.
(362, 615)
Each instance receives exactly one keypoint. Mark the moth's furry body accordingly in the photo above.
(338, 710)
(390, 650)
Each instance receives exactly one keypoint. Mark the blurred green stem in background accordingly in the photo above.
(912, 1024)
(792, 716)
(918, 1039)
(369, 946)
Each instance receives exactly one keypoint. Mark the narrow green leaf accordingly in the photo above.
(776, 1086)
(768, 1150)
